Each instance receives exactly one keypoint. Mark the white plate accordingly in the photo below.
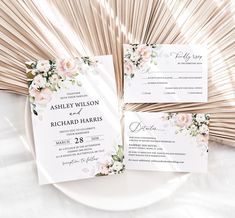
(131, 190)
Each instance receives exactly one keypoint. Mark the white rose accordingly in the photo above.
(200, 118)
(193, 128)
(43, 66)
(117, 166)
(204, 129)
(134, 57)
(39, 81)
(54, 79)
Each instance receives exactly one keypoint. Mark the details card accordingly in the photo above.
(165, 73)
(166, 141)
(75, 118)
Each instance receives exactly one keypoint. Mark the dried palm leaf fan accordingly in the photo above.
(56, 28)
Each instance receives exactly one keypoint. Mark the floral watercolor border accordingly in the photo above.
(138, 57)
(48, 76)
(114, 166)
(195, 125)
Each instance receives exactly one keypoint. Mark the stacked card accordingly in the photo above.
(76, 122)
(75, 118)
(155, 73)
(165, 73)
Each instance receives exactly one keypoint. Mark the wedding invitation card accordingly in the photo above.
(166, 141)
(165, 73)
(75, 118)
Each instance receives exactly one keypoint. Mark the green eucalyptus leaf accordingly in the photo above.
(30, 75)
(35, 112)
(115, 157)
(154, 54)
(120, 152)
(29, 66)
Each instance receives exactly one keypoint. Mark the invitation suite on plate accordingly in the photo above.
(166, 141)
(75, 118)
(165, 73)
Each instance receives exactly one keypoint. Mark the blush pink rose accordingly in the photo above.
(33, 92)
(145, 52)
(43, 97)
(68, 67)
(128, 68)
(104, 168)
(183, 120)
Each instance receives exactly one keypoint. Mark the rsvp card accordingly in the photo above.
(165, 73)
(75, 118)
(166, 141)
